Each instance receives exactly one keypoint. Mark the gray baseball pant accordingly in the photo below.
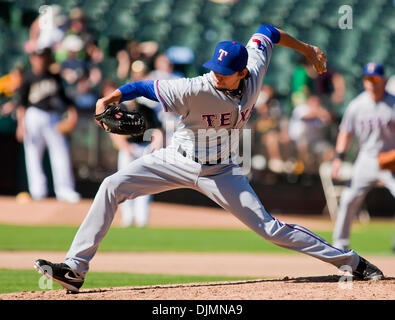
(150, 174)
(366, 173)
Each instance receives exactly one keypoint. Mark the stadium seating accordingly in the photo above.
(67, 5)
(32, 5)
(200, 24)
(121, 25)
(244, 14)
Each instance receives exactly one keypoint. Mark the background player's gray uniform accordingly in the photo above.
(201, 106)
(373, 124)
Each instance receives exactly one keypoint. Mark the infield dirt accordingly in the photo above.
(277, 276)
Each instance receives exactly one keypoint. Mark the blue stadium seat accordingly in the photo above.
(157, 32)
(121, 26)
(193, 5)
(185, 19)
(386, 18)
(95, 9)
(125, 5)
(276, 15)
(32, 5)
(155, 10)
(67, 5)
(181, 36)
(366, 13)
(244, 13)
(212, 11)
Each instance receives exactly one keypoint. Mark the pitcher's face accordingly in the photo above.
(230, 82)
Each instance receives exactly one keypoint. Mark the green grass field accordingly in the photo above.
(372, 239)
(28, 280)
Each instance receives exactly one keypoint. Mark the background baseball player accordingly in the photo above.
(370, 117)
(42, 102)
(221, 99)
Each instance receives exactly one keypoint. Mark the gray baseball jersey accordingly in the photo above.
(372, 123)
(201, 107)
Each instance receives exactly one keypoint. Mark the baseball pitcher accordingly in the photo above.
(210, 107)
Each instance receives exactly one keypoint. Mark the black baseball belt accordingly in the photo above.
(197, 160)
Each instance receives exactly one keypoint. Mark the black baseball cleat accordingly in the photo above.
(61, 273)
(367, 271)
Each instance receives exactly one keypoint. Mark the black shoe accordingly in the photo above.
(61, 273)
(367, 271)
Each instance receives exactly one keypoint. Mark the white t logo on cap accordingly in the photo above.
(221, 54)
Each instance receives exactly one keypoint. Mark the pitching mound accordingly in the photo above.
(303, 288)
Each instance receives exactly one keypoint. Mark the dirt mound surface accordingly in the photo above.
(306, 288)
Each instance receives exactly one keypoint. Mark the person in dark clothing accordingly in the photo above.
(41, 104)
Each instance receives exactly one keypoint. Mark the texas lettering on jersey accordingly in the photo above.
(371, 124)
(215, 120)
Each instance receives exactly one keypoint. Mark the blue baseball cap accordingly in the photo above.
(373, 69)
(229, 57)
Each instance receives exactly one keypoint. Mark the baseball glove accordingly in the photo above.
(119, 121)
(387, 160)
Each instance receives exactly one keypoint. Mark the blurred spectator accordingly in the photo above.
(138, 70)
(148, 50)
(72, 68)
(126, 58)
(78, 53)
(302, 81)
(75, 66)
(78, 26)
(307, 129)
(182, 60)
(42, 102)
(47, 30)
(271, 128)
(331, 88)
(9, 85)
(142, 53)
(163, 70)
(135, 211)
(10, 82)
(84, 96)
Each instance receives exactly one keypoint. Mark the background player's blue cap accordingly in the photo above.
(373, 69)
(229, 57)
